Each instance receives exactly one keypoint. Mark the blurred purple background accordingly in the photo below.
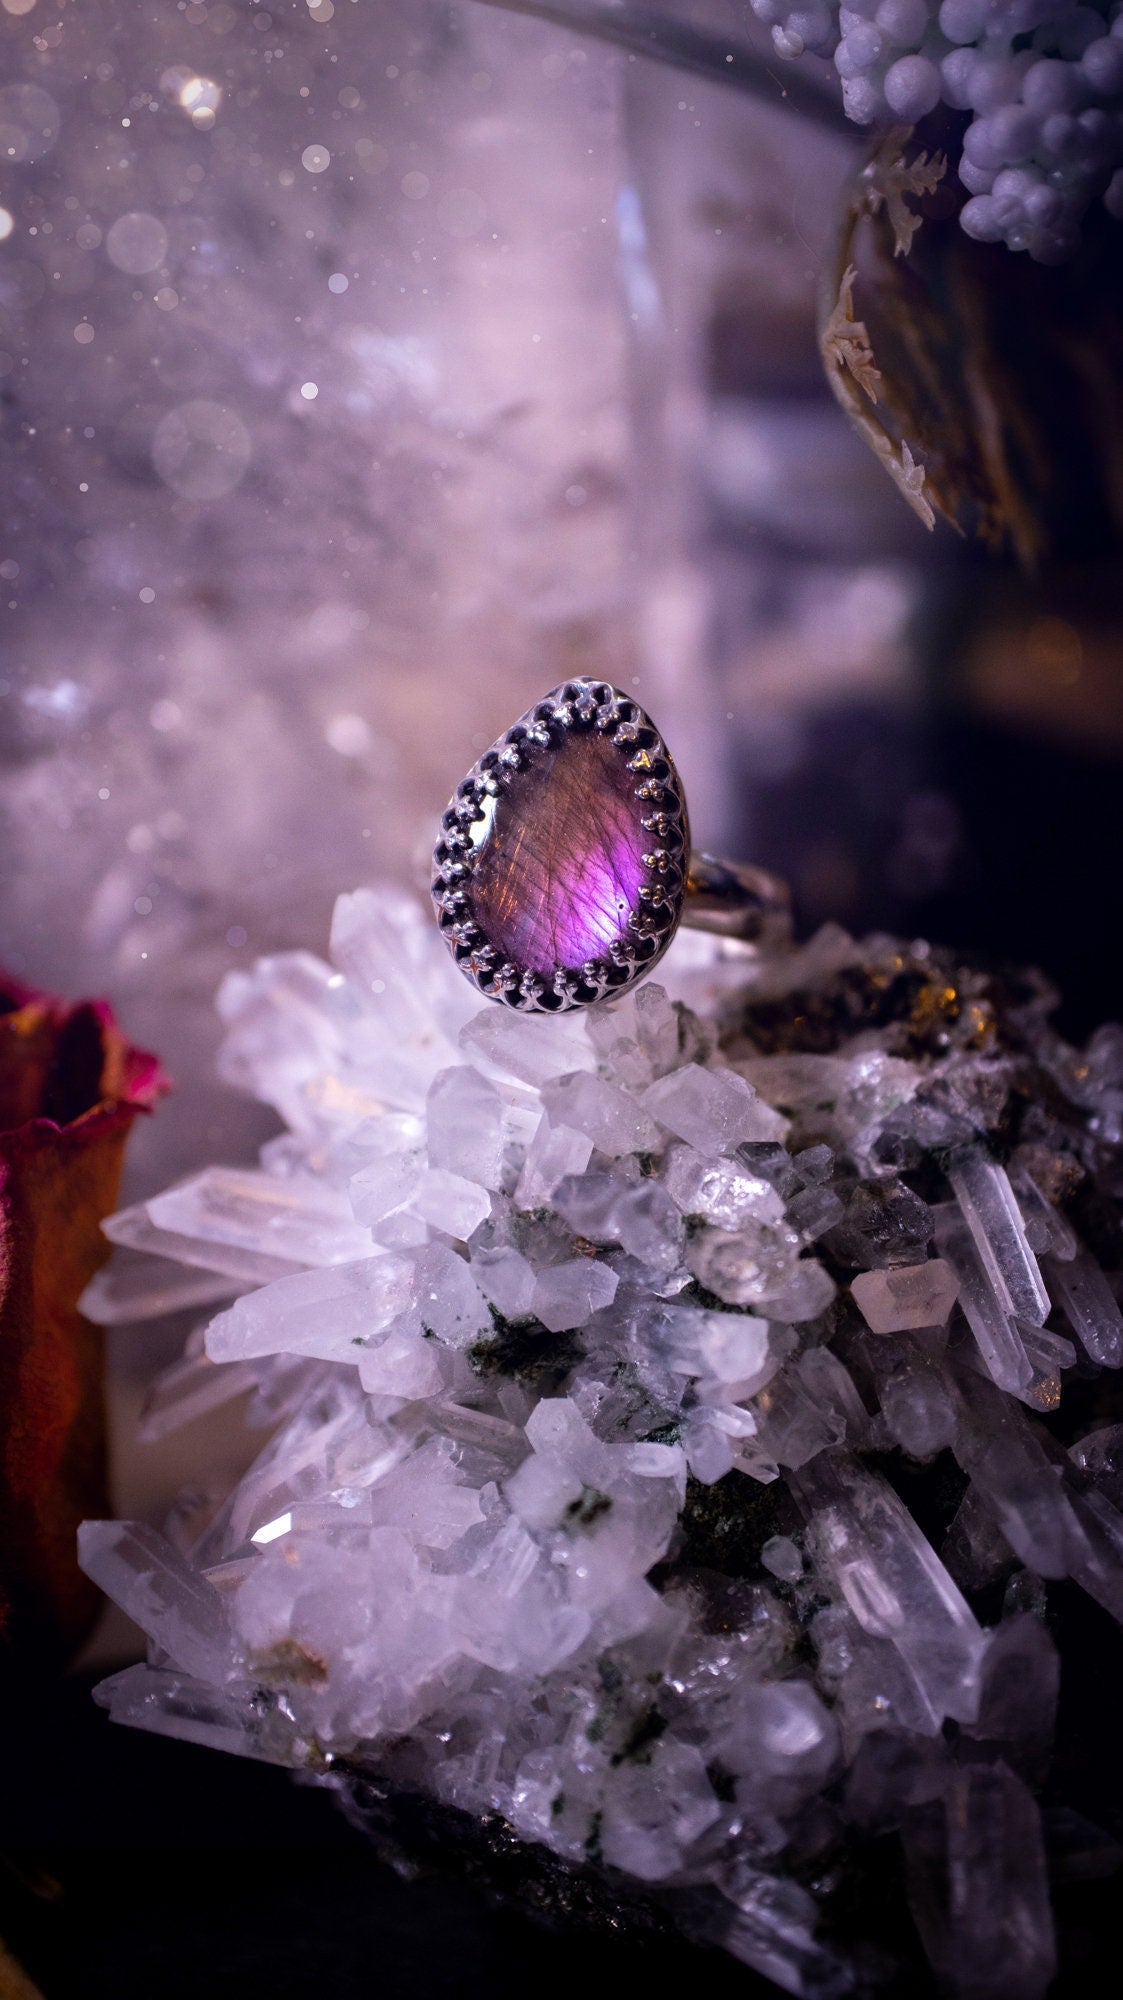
(365, 369)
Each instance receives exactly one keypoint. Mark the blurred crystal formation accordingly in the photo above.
(680, 1417)
(312, 379)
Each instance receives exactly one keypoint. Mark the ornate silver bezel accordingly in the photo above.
(577, 704)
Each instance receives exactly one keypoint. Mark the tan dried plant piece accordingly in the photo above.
(853, 373)
(846, 341)
(890, 175)
(986, 383)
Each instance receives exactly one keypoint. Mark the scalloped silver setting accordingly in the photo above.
(576, 704)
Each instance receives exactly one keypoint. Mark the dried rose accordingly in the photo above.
(70, 1088)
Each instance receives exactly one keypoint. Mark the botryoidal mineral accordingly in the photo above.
(668, 1436)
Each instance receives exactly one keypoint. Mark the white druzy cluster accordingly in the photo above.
(1043, 80)
(535, 1312)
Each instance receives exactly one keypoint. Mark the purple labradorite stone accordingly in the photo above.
(559, 869)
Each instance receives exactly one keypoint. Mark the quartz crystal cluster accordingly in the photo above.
(677, 1420)
(1040, 80)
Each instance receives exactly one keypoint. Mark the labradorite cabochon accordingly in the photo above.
(559, 864)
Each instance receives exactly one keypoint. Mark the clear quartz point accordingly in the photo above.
(150, 1287)
(978, 1887)
(181, 1613)
(247, 1722)
(188, 1389)
(1089, 1305)
(902, 1297)
(992, 1323)
(1046, 1227)
(304, 1222)
(893, 1582)
(135, 1229)
(992, 1215)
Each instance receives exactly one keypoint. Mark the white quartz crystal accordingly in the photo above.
(903, 1296)
(843, 1097)
(385, 1187)
(995, 1221)
(603, 1111)
(722, 1191)
(986, 1307)
(143, 1288)
(713, 1110)
(134, 1229)
(781, 1558)
(638, 1215)
(894, 1584)
(1090, 1306)
(464, 1122)
(981, 1897)
(1046, 1228)
(447, 1297)
(761, 1266)
(730, 1347)
(181, 1613)
(919, 1411)
(403, 1365)
(315, 1313)
(305, 1221)
(554, 1152)
(525, 1045)
(594, 1361)
(773, 1931)
(449, 1203)
(507, 1279)
(566, 1295)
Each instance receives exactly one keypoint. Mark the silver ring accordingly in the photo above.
(564, 868)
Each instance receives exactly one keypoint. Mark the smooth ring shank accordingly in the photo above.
(735, 899)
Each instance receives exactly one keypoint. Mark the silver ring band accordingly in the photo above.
(735, 900)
